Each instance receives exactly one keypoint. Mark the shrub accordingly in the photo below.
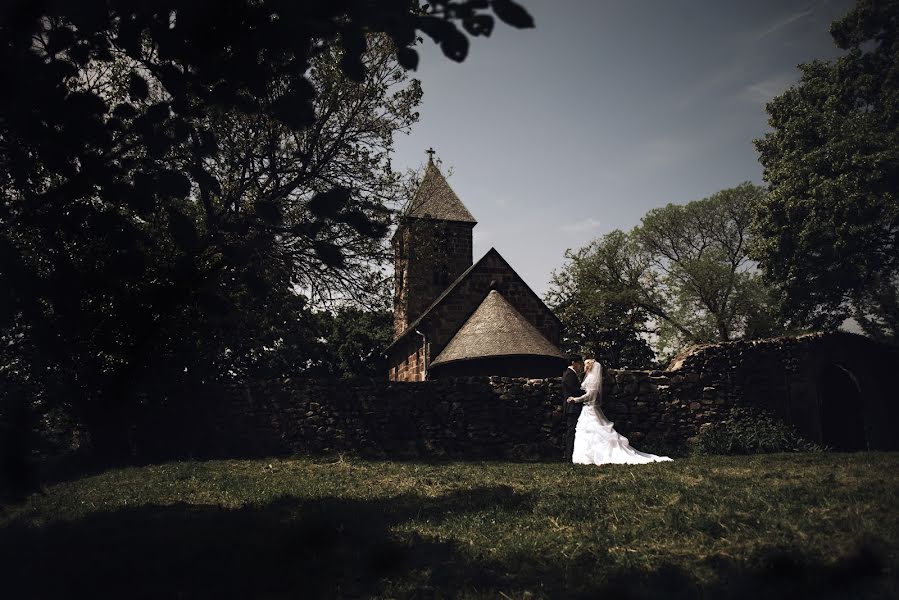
(749, 430)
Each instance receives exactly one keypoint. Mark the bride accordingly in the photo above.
(595, 440)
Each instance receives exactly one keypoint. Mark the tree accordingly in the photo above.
(827, 231)
(333, 242)
(354, 342)
(170, 173)
(170, 300)
(701, 286)
(596, 296)
(682, 277)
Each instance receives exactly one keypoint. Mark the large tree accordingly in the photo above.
(827, 232)
(702, 286)
(170, 174)
(681, 277)
(598, 297)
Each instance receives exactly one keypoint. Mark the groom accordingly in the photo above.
(571, 387)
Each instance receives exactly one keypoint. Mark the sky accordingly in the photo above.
(557, 135)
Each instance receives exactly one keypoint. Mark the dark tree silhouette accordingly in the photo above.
(354, 342)
(138, 249)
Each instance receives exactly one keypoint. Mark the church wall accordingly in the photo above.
(786, 376)
(443, 322)
(406, 362)
(406, 359)
(457, 417)
(430, 255)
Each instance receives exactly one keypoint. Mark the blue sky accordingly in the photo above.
(560, 134)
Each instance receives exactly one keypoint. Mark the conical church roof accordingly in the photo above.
(435, 199)
(496, 329)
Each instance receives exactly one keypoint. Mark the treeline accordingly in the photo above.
(817, 245)
(183, 190)
(682, 277)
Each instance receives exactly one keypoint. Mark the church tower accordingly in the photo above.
(432, 247)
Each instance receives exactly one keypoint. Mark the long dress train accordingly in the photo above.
(597, 443)
(595, 440)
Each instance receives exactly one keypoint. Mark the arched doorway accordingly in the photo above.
(841, 409)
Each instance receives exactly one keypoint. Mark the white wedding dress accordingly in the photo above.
(595, 440)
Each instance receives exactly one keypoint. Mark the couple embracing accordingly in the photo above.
(590, 438)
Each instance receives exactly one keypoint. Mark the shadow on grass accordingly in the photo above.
(332, 547)
(773, 574)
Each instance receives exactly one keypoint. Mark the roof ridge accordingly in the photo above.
(437, 300)
(455, 284)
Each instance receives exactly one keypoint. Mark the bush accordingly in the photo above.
(752, 431)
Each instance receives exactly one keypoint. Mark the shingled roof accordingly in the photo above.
(496, 329)
(457, 283)
(435, 199)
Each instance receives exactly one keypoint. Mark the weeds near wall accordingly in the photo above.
(752, 431)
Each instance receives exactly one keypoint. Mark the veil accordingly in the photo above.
(593, 381)
(592, 384)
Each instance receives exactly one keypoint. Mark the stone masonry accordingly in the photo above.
(497, 417)
(441, 323)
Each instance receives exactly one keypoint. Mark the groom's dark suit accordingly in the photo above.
(571, 386)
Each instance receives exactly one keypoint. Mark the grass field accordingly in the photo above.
(798, 525)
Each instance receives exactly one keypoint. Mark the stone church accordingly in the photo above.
(457, 317)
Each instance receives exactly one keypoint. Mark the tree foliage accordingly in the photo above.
(681, 277)
(597, 296)
(701, 286)
(354, 341)
(828, 228)
(171, 173)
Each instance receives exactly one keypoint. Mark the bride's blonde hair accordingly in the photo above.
(588, 364)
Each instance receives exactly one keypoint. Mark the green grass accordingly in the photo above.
(788, 525)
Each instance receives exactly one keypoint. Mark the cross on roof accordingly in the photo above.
(430, 152)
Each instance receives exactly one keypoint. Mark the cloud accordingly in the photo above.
(663, 152)
(763, 91)
(710, 84)
(747, 55)
(782, 23)
(581, 226)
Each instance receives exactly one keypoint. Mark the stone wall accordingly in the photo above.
(470, 418)
(498, 417)
(463, 418)
(823, 383)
